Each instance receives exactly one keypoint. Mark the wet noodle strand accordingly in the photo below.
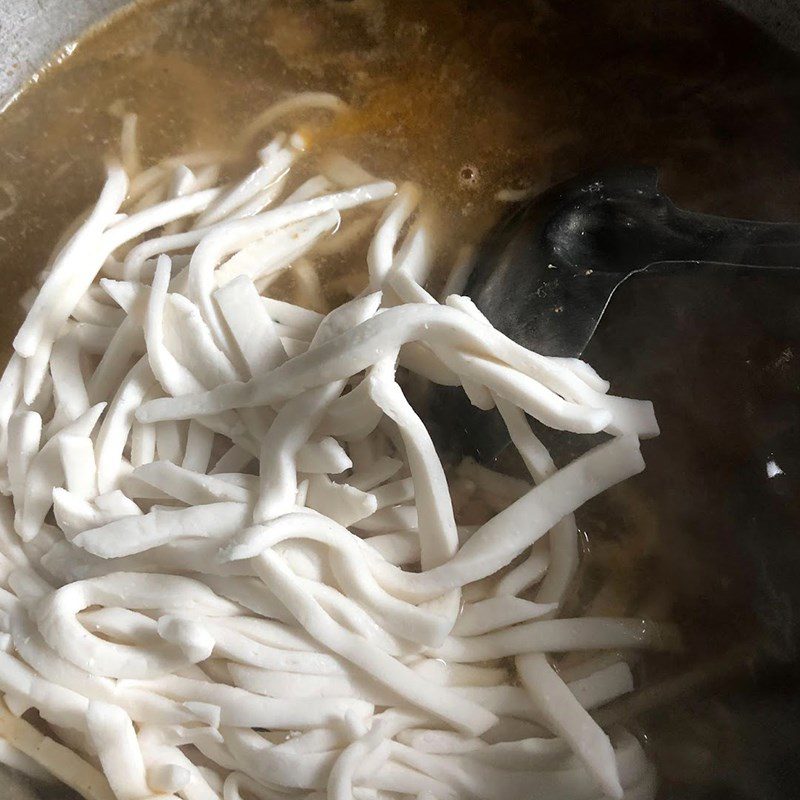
(233, 564)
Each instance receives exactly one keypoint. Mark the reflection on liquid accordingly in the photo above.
(716, 354)
(773, 469)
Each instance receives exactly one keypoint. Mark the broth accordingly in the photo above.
(511, 94)
(468, 98)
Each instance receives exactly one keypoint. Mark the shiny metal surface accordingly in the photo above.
(34, 31)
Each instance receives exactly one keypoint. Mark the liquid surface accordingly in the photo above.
(469, 98)
(465, 97)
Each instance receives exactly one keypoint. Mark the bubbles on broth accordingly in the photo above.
(469, 177)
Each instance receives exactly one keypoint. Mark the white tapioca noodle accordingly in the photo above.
(232, 564)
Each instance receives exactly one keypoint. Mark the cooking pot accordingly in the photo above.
(35, 31)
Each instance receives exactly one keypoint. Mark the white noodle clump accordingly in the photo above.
(232, 563)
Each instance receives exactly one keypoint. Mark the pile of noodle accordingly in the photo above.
(232, 563)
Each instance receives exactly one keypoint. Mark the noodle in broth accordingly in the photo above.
(213, 574)
(322, 456)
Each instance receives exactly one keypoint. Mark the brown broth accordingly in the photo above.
(520, 93)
